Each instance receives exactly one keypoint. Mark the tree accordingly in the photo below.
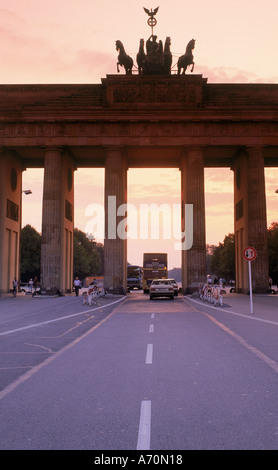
(87, 255)
(209, 254)
(30, 252)
(223, 258)
(222, 261)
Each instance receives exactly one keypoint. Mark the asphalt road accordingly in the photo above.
(135, 374)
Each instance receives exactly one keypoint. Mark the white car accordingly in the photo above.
(175, 285)
(29, 290)
(161, 288)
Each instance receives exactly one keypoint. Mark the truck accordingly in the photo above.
(134, 277)
(155, 266)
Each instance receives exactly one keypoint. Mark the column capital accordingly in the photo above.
(255, 155)
(108, 148)
(115, 156)
(254, 148)
(193, 148)
(190, 154)
(53, 148)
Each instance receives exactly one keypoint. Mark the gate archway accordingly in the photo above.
(177, 121)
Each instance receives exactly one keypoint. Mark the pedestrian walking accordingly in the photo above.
(15, 285)
(35, 285)
(31, 283)
(76, 286)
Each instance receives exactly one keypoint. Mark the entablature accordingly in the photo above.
(126, 98)
(97, 131)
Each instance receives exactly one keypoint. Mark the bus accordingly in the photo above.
(154, 267)
(134, 276)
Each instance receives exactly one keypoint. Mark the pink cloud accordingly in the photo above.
(231, 75)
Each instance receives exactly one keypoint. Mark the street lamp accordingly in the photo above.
(27, 191)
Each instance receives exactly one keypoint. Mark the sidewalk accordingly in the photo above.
(265, 306)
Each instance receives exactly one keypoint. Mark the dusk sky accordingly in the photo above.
(65, 41)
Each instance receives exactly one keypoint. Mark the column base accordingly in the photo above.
(190, 290)
(50, 293)
(116, 291)
(255, 291)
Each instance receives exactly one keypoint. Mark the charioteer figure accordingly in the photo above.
(154, 60)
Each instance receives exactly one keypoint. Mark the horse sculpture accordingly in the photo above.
(124, 60)
(187, 59)
(141, 57)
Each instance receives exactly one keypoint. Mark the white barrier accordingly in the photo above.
(211, 294)
(93, 295)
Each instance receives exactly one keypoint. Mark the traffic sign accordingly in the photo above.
(249, 253)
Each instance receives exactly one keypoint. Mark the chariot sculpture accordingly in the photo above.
(155, 59)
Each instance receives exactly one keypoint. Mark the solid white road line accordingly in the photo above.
(144, 434)
(149, 355)
(250, 317)
(66, 317)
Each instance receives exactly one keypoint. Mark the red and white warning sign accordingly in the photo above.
(249, 253)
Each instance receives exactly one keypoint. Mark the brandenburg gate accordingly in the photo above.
(133, 120)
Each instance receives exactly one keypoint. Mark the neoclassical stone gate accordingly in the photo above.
(135, 121)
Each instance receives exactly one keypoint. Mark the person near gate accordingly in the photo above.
(76, 286)
(15, 285)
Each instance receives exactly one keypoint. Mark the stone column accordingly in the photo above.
(250, 219)
(10, 217)
(57, 222)
(67, 182)
(115, 244)
(257, 220)
(240, 168)
(192, 189)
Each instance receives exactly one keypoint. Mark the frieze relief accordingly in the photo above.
(138, 128)
(3, 130)
(42, 129)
